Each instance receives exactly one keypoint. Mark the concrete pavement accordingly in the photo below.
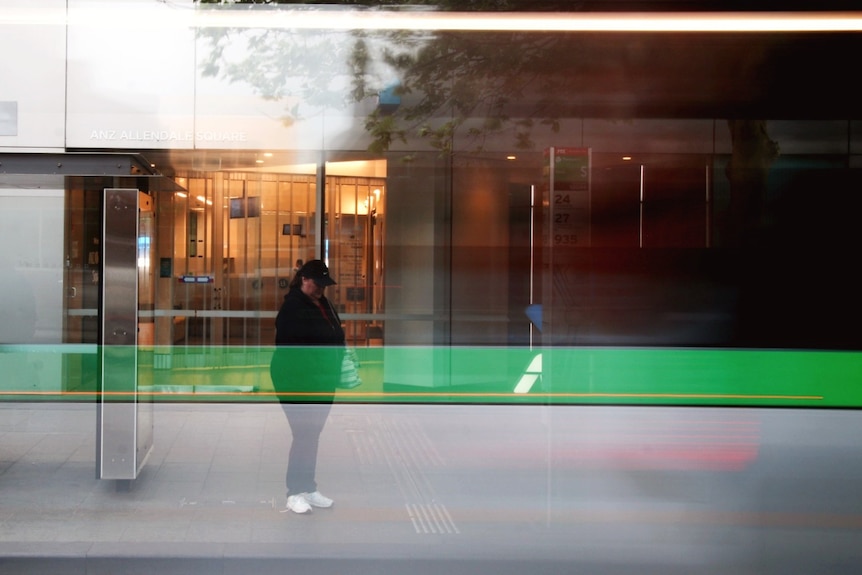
(429, 489)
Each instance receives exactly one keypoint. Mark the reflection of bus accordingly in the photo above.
(697, 222)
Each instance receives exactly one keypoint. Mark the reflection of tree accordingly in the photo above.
(306, 71)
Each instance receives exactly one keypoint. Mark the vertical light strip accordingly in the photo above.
(532, 252)
(641, 212)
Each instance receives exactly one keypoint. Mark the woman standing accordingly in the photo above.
(305, 370)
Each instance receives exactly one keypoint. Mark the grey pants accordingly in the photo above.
(306, 422)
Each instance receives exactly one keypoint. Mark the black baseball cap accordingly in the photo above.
(316, 270)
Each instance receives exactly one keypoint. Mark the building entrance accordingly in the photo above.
(229, 243)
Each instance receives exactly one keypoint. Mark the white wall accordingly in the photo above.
(131, 75)
(32, 73)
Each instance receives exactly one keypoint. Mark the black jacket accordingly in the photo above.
(306, 363)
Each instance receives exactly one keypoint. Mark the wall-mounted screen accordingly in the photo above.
(237, 208)
(292, 230)
(245, 207)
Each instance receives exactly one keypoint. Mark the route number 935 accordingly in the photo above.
(565, 239)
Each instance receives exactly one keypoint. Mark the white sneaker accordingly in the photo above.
(317, 499)
(298, 503)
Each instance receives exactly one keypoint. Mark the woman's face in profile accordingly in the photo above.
(311, 289)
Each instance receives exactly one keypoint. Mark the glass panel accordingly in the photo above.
(31, 281)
